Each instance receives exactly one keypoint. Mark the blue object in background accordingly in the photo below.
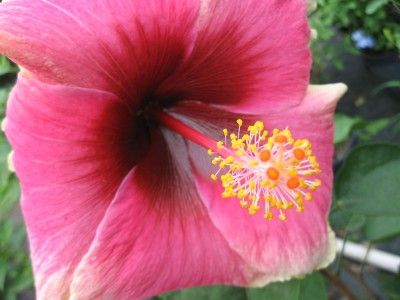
(363, 40)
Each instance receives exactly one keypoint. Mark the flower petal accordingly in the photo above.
(280, 250)
(249, 56)
(125, 47)
(156, 237)
(71, 152)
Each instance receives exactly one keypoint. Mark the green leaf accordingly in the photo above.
(377, 228)
(373, 127)
(390, 285)
(386, 85)
(288, 290)
(368, 185)
(9, 196)
(374, 5)
(209, 293)
(343, 127)
(311, 287)
(3, 273)
(4, 91)
(6, 66)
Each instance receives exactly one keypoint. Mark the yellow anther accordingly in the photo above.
(245, 137)
(253, 130)
(298, 197)
(235, 167)
(216, 160)
(227, 185)
(292, 173)
(220, 144)
(268, 216)
(229, 159)
(282, 217)
(300, 209)
(253, 209)
(225, 131)
(240, 152)
(252, 184)
(241, 193)
(239, 122)
(244, 204)
(264, 135)
(253, 163)
(268, 198)
(252, 147)
(213, 177)
(317, 183)
(210, 152)
(308, 196)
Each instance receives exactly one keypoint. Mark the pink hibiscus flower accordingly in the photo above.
(113, 98)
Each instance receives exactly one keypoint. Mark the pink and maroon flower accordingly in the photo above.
(117, 197)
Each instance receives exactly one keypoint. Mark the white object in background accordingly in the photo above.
(377, 258)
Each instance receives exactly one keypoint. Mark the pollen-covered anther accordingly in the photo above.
(275, 172)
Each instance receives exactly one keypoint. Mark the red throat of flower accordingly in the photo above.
(273, 171)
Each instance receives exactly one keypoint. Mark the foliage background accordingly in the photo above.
(366, 205)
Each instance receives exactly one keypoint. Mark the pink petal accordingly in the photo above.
(70, 156)
(280, 250)
(126, 47)
(156, 235)
(250, 53)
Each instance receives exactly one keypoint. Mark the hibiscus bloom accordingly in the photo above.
(111, 103)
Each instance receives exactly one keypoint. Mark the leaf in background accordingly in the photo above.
(374, 5)
(368, 185)
(288, 290)
(386, 85)
(6, 66)
(390, 285)
(3, 273)
(374, 127)
(209, 293)
(311, 287)
(377, 228)
(4, 91)
(366, 130)
(15, 268)
(9, 187)
(344, 126)
(9, 196)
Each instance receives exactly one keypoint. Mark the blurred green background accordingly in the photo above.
(356, 42)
